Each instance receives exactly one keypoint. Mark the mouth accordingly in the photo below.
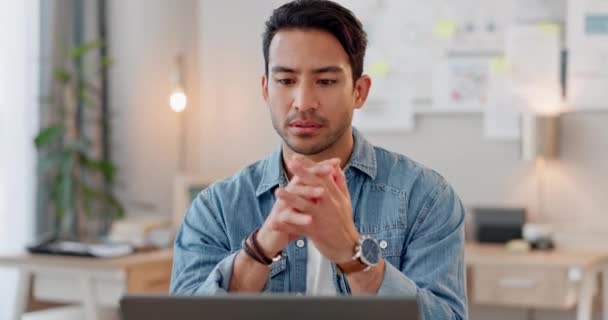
(305, 127)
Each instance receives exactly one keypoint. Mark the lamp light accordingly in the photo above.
(178, 99)
(539, 143)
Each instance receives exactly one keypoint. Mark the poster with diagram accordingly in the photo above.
(461, 84)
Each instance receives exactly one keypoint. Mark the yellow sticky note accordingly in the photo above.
(378, 69)
(549, 27)
(499, 65)
(445, 28)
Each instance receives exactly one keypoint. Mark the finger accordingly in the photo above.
(307, 163)
(296, 180)
(337, 175)
(291, 217)
(312, 175)
(335, 162)
(340, 180)
(321, 169)
(280, 204)
(301, 163)
(330, 166)
(330, 185)
(331, 162)
(308, 192)
(299, 203)
(290, 229)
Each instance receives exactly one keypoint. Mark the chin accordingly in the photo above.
(307, 148)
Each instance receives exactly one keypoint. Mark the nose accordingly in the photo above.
(305, 98)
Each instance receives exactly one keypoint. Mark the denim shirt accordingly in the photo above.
(410, 210)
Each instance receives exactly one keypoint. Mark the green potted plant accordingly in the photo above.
(71, 167)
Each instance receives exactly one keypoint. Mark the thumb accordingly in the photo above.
(340, 180)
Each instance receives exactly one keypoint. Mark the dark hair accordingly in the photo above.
(322, 15)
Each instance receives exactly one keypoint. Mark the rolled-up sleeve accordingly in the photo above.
(432, 266)
(202, 259)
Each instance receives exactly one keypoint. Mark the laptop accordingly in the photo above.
(267, 307)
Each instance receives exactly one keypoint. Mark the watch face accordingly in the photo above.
(370, 251)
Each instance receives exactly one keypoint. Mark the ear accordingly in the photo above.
(265, 88)
(362, 87)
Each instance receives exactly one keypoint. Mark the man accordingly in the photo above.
(327, 212)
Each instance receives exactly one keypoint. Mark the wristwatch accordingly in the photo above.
(367, 255)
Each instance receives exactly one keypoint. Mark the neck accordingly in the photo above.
(342, 149)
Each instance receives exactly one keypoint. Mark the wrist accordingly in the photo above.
(367, 254)
(351, 248)
(269, 242)
(367, 282)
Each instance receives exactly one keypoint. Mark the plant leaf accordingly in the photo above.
(120, 210)
(87, 195)
(79, 146)
(85, 98)
(103, 196)
(65, 184)
(55, 196)
(84, 48)
(48, 135)
(51, 160)
(106, 62)
(62, 75)
(106, 168)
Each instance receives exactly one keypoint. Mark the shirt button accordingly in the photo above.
(383, 244)
(300, 243)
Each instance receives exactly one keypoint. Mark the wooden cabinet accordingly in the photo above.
(152, 277)
(527, 286)
(544, 280)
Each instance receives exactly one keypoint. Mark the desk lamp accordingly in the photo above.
(539, 143)
(178, 101)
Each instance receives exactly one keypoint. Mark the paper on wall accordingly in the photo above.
(533, 55)
(417, 35)
(502, 116)
(388, 108)
(587, 41)
(461, 84)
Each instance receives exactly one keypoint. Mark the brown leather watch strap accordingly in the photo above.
(352, 266)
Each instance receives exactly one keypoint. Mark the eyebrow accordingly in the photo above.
(330, 69)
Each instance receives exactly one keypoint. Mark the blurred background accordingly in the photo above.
(114, 114)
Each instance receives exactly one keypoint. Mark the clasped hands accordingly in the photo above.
(315, 204)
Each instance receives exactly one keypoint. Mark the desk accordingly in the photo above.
(89, 279)
(539, 279)
(555, 279)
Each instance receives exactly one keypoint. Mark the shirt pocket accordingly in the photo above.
(277, 276)
(383, 208)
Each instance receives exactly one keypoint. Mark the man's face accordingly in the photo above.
(310, 90)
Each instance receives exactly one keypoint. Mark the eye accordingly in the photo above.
(285, 82)
(327, 82)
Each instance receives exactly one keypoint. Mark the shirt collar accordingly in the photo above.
(363, 158)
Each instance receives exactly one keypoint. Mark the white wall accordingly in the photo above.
(145, 36)
(235, 123)
(18, 126)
